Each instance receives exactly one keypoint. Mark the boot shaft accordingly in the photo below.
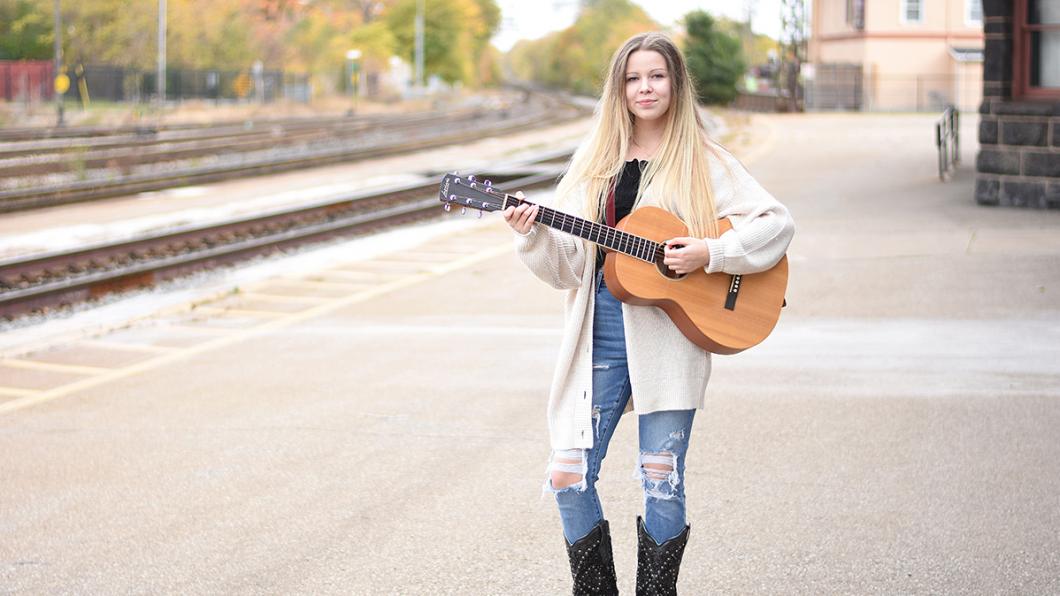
(658, 564)
(592, 564)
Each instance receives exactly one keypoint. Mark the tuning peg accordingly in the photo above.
(470, 178)
(480, 214)
(463, 211)
(448, 207)
(489, 183)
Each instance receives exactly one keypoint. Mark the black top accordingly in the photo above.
(625, 196)
(626, 191)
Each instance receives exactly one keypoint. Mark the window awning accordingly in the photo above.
(966, 54)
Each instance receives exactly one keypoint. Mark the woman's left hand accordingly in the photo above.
(685, 255)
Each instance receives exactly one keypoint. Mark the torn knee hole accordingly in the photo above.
(567, 469)
(565, 479)
(658, 466)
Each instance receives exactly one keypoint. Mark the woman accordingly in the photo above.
(648, 146)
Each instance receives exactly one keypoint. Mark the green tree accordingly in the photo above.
(108, 32)
(25, 31)
(455, 33)
(715, 60)
(577, 57)
(756, 47)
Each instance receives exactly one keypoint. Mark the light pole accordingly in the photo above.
(353, 67)
(62, 82)
(160, 84)
(419, 44)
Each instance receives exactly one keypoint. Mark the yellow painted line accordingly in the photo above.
(471, 259)
(435, 255)
(16, 392)
(240, 312)
(78, 369)
(197, 330)
(129, 347)
(356, 278)
(237, 336)
(313, 283)
(283, 298)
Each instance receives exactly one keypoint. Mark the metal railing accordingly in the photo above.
(947, 139)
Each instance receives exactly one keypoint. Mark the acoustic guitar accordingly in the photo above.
(719, 312)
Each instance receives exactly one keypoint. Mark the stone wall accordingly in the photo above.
(1019, 153)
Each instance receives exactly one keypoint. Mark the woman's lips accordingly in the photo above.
(645, 102)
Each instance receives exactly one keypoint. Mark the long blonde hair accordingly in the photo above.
(679, 174)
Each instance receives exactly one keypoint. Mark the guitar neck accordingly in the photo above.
(606, 236)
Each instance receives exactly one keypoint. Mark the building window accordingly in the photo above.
(856, 14)
(912, 11)
(973, 15)
(1036, 44)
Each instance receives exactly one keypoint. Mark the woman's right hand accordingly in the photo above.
(520, 218)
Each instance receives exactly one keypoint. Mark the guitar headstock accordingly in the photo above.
(468, 193)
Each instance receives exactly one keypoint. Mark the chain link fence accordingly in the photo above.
(849, 87)
(32, 82)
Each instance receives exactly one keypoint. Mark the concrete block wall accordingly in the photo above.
(1019, 141)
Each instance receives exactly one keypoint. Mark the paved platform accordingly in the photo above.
(377, 426)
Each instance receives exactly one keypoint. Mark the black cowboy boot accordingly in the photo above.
(657, 565)
(591, 563)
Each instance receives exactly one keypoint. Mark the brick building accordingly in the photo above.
(1019, 126)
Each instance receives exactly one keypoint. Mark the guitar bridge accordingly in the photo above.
(734, 292)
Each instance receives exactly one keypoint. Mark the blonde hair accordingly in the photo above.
(679, 174)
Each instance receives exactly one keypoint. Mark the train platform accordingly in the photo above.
(373, 422)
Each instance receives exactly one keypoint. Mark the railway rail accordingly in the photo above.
(48, 154)
(131, 163)
(43, 282)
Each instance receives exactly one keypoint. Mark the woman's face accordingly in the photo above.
(647, 85)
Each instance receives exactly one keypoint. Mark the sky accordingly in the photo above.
(531, 19)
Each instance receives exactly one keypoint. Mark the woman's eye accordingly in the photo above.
(630, 79)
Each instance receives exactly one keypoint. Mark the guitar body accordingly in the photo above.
(697, 301)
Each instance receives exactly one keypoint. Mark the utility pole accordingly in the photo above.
(793, 50)
(59, 63)
(160, 84)
(419, 44)
(748, 35)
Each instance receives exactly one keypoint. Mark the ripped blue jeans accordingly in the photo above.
(664, 439)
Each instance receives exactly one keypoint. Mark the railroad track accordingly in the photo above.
(127, 164)
(25, 141)
(44, 282)
(48, 155)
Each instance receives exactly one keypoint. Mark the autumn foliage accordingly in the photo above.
(304, 36)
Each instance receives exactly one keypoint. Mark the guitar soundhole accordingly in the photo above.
(666, 271)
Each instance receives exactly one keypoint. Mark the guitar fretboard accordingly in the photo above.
(606, 236)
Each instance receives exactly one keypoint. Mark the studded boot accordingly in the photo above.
(591, 563)
(658, 565)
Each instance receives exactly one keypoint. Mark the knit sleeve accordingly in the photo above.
(762, 227)
(556, 258)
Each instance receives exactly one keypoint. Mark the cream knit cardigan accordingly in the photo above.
(666, 370)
